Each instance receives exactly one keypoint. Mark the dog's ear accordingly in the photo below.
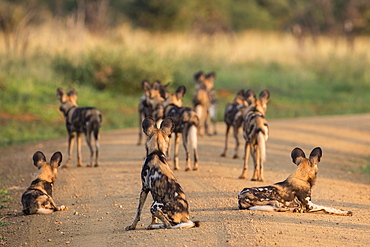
(264, 96)
(148, 126)
(60, 94)
(199, 76)
(180, 92)
(156, 85)
(38, 159)
(250, 96)
(56, 160)
(297, 156)
(211, 75)
(241, 93)
(167, 126)
(315, 155)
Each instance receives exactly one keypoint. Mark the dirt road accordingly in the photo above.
(102, 201)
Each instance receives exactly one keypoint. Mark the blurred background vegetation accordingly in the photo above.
(313, 56)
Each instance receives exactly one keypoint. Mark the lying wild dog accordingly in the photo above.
(186, 123)
(153, 94)
(79, 120)
(37, 199)
(204, 101)
(292, 194)
(170, 205)
(255, 132)
(234, 115)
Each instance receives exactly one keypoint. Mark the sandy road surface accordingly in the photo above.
(102, 201)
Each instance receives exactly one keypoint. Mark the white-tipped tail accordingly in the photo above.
(192, 137)
(184, 225)
(263, 208)
(262, 145)
(45, 211)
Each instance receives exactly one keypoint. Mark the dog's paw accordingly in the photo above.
(130, 227)
(62, 208)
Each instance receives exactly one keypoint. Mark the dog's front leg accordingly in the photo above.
(176, 152)
(315, 208)
(71, 138)
(143, 195)
(54, 205)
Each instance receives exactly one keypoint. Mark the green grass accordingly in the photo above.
(107, 72)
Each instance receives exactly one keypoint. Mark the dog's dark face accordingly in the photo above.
(67, 100)
(154, 93)
(292, 192)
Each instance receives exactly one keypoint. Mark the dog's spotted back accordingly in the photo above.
(169, 202)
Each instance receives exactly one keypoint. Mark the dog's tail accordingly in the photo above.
(44, 211)
(185, 225)
(192, 137)
(261, 139)
(267, 208)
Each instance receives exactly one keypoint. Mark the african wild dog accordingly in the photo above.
(79, 120)
(37, 199)
(186, 123)
(255, 132)
(153, 94)
(170, 205)
(292, 194)
(234, 115)
(204, 101)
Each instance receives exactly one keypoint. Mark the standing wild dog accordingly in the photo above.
(255, 132)
(234, 115)
(186, 123)
(170, 205)
(37, 199)
(204, 101)
(293, 194)
(153, 95)
(79, 120)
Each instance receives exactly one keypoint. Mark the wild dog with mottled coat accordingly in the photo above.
(292, 194)
(255, 132)
(170, 205)
(204, 101)
(37, 199)
(234, 115)
(153, 95)
(186, 124)
(79, 120)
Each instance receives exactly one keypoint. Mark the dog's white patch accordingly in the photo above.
(260, 189)
(262, 208)
(188, 224)
(176, 194)
(44, 211)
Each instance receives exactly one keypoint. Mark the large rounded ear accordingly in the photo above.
(180, 92)
(211, 75)
(315, 155)
(297, 156)
(250, 96)
(264, 96)
(56, 159)
(60, 94)
(167, 126)
(156, 85)
(72, 93)
(241, 93)
(148, 126)
(163, 90)
(199, 76)
(38, 159)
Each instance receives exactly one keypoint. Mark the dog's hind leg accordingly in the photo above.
(246, 156)
(88, 141)
(236, 133)
(193, 141)
(143, 195)
(79, 157)
(226, 140)
(97, 145)
(176, 152)
(185, 144)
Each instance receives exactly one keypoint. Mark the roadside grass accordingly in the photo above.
(321, 78)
